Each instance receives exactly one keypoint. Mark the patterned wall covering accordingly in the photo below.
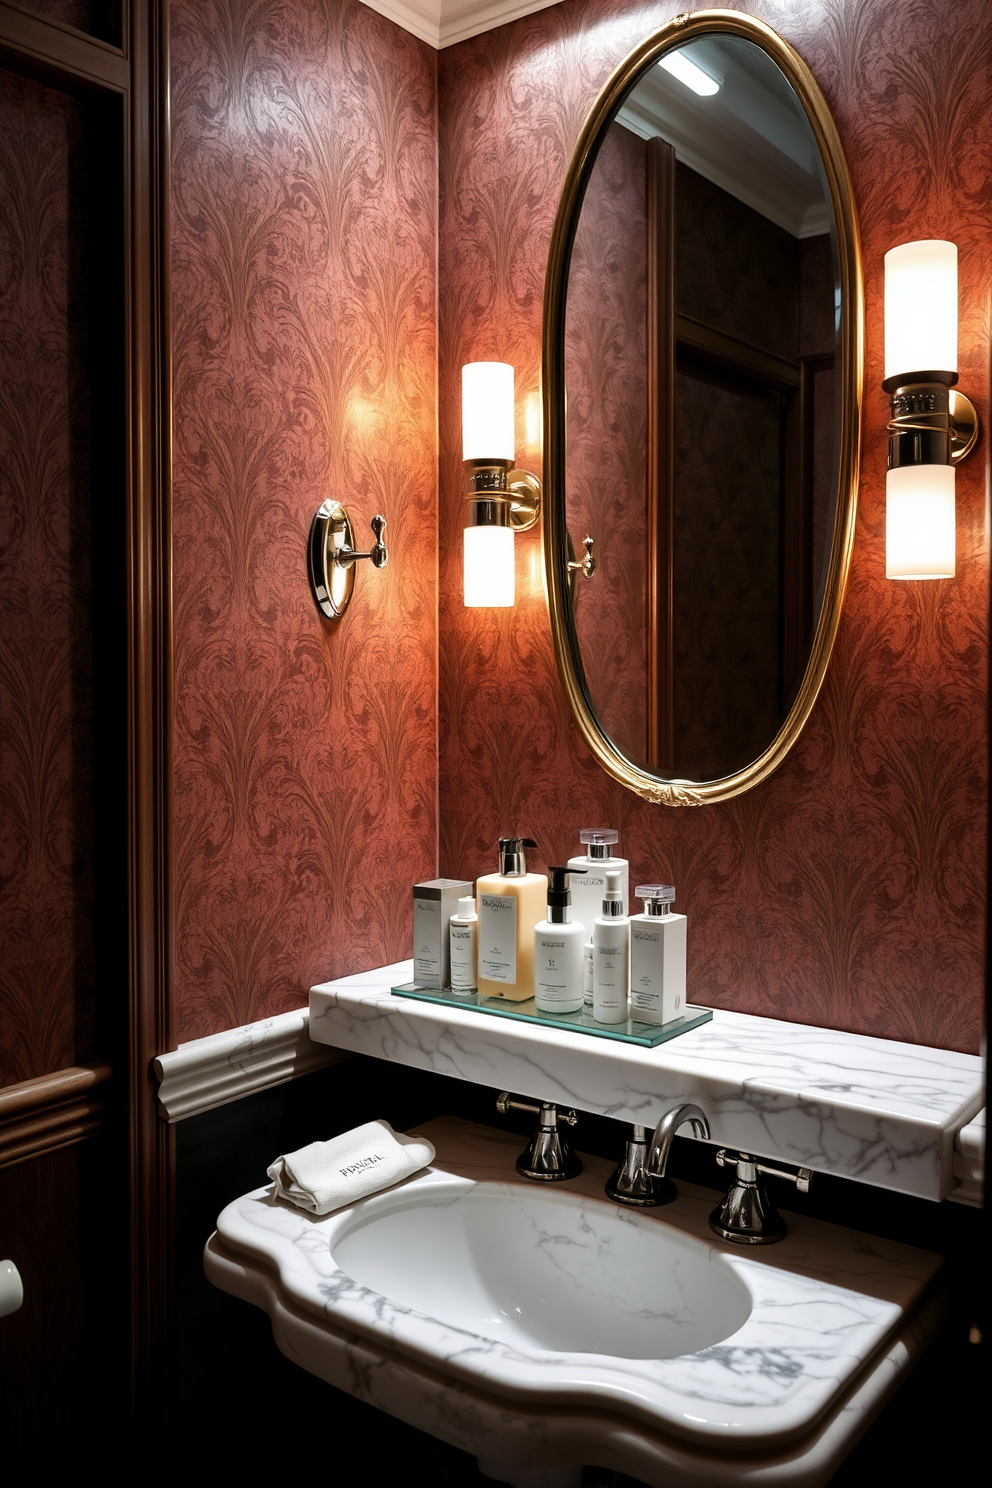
(46, 968)
(606, 370)
(849, 889)
(304, 263)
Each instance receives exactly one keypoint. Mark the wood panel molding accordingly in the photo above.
(51, 1111)
(27, 38)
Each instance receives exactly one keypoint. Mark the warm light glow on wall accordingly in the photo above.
(488, 566)
(921, 308)
(919, 522)
(487, 411)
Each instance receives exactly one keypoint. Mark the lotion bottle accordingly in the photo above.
(558, 947)
(510, 904)
(657, 957)
(611, 954)
(587, 892)
(463, 930)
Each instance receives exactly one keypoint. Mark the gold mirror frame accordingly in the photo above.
(664, 791)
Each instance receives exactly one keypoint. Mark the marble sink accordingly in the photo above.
(547, 1328)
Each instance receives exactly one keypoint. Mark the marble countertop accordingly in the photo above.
(824, 1303)
(864, 1108)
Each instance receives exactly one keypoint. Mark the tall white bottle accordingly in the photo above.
(558, 946)
(611, 954)
(657, 957)
(587, 892)
(463, 932)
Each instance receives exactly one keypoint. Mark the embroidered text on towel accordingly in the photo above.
(357, 1167)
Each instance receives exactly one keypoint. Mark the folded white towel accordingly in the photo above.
(328, 1175)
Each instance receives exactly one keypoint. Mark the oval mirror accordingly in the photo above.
(702, 387)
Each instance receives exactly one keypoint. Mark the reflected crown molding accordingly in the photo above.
(441, 23)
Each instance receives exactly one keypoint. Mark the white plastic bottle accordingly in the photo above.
(657, 957)
(588, 962)
(611, 955)
(558, 947)
(587, 892)
(463, 932)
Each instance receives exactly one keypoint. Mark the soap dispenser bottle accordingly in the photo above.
(587, 892)
(558, 950)
(510, 904)
(611, 955)
(657, 957)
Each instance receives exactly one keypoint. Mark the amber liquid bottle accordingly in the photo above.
(510, 903)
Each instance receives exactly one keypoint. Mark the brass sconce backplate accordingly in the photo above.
(332, 583)
(331, 556)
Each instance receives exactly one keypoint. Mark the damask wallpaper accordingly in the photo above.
(849, 889)
(46, 821)
(304, 220)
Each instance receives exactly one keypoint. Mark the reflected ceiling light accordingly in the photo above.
(932, 427)
(501, 500)
(679, 65)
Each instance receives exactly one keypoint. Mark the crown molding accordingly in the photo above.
(442, 23)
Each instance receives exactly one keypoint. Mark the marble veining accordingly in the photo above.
(818, 1307)
(865, 1108)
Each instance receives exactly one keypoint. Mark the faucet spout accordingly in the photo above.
(661, 1143)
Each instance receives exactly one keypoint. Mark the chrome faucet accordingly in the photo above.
(549, 1157)
(641, 1179)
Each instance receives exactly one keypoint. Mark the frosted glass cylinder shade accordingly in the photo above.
(488, 574)
(921, 308)
(487, 411)
(919, 522)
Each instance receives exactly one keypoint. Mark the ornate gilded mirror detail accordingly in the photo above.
(702, 389)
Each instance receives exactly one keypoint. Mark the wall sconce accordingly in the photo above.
(932, 427)
(331, 557)
(501, 500)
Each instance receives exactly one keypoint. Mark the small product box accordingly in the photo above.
(433, 905)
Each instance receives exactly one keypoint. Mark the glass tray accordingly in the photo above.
(630, 1032)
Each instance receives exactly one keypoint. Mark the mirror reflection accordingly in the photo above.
(701, 450)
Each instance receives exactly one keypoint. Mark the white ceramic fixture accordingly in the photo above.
(542, 1329)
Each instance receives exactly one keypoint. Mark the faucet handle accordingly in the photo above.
(504, 1104)
(802, 1179)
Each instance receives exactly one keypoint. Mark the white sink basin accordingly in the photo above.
(551, 1326)
(543, 1271)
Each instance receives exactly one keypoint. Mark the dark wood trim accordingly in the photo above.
(149, 706)
(735, 355)
(49, 47)
(30, 1096)
(661, 318)
(51, 1111)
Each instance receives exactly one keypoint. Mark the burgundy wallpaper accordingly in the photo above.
(304, 270)
(849, 889)
(607, 433)
(46, 968)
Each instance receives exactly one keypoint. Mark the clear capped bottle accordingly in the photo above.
(657, 957)
(587, 892)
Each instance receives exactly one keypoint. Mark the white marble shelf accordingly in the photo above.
(865, 1108)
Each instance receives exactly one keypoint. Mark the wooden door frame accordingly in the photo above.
(135, 71)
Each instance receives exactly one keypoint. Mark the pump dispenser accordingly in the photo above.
(558, 946)
(657, 957)
(611, 954)
(510, 904)
(587, 892)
